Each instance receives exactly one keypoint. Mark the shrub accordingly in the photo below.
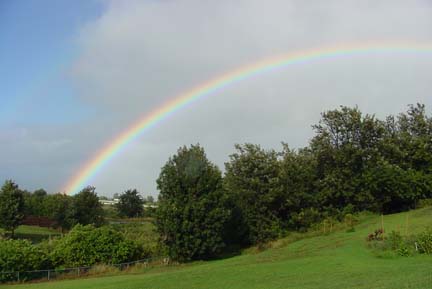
(399, 244)
(144, 234)
(20, 255)
(350, 221)
(87, 245)
(424, 203)
(377, 235)
(424, 242)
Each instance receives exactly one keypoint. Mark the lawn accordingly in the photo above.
(336, 260)
(34, 233)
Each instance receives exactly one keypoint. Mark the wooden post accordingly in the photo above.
(48, 274)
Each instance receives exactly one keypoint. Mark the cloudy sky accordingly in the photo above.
(74, 74)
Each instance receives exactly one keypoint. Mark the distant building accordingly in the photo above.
(115, 201)
(109, 202)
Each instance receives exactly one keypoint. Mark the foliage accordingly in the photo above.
(336, 261)
(61, 210)
(87, 245)
(130, 204)
(377, 235)
(34, 203)
(192, 212)
(143, 233)
(11, 206)
(20, 255)
(251, 179)
(86, 207)
(424, 242)
(350, 222)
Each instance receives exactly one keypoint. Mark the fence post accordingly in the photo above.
(18, 276)
(48, 274)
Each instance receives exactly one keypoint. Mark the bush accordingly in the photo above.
(377, 235)
(350, 222)
(144, 234)
(424, 242)
(399, 244)
(20, 255)
(87, 245)
(424, 203)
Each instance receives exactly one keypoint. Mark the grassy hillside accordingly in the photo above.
(337, 260)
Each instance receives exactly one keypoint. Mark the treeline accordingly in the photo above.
(66, 211)
(355, 162)
(63, 211)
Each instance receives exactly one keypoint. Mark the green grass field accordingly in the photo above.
(34, 233)
(337, 260)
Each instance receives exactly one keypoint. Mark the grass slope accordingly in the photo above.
(338, 260)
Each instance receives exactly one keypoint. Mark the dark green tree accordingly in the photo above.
(345, 146)
(11, 206)
(131, 204)
(251, 180)
(61, 210)
(297, 179)
(35, 203)
(191, 212)
(86, 207)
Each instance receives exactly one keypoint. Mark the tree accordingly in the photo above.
(87, 208)
(297, 180)
(35, 203)
(345, 146)
(149, 200)
(191, 211)
(60, 208)
(251, 180)
(130, 204)
(11, 206)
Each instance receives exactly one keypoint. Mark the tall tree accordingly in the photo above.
(61, 210)
(345, 145)
(191, 211)
(131, 204)
(87, 208)
(251, 179)
(297, 179)
(11, 206)
(35, 203)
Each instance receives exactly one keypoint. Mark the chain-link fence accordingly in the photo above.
(50, 274)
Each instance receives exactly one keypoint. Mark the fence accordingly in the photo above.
(50, 274)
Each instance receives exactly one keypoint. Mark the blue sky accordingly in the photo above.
(37, 45)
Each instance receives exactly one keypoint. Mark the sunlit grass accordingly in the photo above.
(337, 260)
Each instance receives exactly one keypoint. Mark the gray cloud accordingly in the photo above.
(138, 54)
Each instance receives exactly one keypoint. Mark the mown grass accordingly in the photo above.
(34, 233)
(336, 260)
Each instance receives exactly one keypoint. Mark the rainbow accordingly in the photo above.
(114, 147)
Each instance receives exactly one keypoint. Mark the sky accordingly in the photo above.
(75, 74)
